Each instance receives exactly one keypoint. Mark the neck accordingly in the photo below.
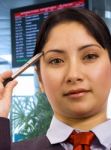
(86, 123)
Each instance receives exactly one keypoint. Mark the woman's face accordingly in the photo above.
(75, 72)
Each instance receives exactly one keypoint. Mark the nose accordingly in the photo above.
(74, 73)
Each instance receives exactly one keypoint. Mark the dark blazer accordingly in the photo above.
(40, 143)
(4, 134)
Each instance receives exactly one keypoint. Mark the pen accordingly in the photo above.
(24, 67)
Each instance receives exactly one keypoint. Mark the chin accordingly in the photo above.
(81, 114)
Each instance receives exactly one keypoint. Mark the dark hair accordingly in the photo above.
(92, 22)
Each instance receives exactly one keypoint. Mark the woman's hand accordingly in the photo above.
(6, 93)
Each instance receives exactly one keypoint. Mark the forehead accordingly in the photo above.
(67, 29)
(69, 35)
(64, 25)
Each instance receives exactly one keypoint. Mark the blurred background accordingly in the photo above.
(30, 108)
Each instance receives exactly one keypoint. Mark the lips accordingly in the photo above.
(76, 93)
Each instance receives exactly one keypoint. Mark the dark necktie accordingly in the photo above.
(81, 140)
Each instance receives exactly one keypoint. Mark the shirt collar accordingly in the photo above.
(58, 131)
(103, 133)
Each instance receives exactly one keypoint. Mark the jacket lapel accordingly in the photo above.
(39, 143)
(49, 146)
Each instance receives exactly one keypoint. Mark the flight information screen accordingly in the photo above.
(25, 25)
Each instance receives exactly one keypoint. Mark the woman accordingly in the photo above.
(75, 74)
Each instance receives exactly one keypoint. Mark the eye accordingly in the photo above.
(90, 57)
(56, 61)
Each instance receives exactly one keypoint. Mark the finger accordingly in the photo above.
(5, 102)
(7, 95)
(1, 90)
(8, 89)
(5, 75)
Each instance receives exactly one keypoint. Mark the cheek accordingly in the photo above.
(101, 78)
(51, 83)
(103, 74)
(51, 80)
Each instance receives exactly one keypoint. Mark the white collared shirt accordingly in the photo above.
(58, 132)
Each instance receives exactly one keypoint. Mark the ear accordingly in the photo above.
(39, 80)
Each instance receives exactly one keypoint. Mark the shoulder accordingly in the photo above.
(41, 143)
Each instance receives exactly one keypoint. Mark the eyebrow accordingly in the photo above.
(89, 45)
(80, 48)
(55, 50)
